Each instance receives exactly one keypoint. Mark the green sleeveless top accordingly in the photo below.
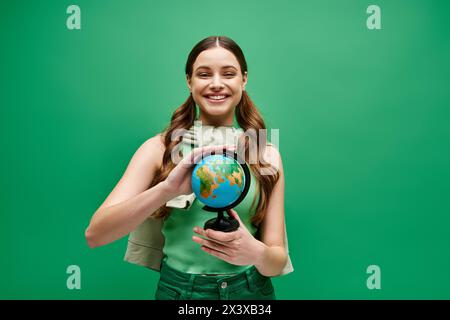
(183, 254)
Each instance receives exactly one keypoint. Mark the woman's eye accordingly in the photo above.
(207, 74)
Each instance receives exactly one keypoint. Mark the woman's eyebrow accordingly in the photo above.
(207, 67)
(226, 67)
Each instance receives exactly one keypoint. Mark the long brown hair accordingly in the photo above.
(247, 116)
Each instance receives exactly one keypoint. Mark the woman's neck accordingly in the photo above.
(220, 121)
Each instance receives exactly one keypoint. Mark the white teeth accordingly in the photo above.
(216, 97)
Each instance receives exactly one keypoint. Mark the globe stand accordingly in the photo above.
(222, 223)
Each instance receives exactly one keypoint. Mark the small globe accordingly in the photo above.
(218, 181)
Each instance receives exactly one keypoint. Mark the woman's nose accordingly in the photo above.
(216, 82)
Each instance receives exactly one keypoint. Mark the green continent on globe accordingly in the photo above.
(207, 181)
(230, 171)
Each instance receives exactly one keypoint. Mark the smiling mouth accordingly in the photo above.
(217, 98)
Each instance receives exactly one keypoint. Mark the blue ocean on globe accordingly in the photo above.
(218, 180)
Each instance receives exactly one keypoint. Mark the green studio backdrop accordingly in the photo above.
(364, 135)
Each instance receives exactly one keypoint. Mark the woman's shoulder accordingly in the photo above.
(272, 155)
(271, 151)
(155, 143)
(151, 151)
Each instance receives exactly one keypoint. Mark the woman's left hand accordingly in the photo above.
(238, 247)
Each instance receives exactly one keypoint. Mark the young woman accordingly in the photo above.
(195, 263)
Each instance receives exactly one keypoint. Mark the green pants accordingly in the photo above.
(250, 284)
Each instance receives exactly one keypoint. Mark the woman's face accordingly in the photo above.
(217, 83)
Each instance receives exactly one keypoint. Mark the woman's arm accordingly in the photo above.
(273, 256)
(130, 202)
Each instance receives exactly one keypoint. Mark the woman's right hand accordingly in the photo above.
(178, 181)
